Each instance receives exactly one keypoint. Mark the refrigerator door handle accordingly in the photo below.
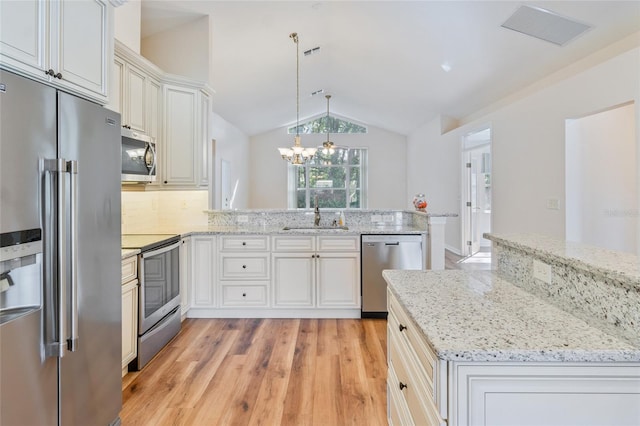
(72, 341)
(57, 257)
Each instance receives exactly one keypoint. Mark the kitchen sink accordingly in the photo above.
(315, 228)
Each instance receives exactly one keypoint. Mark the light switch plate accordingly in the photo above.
(376, 218)
(387, 218)
(542, 271)
(242, 218)
(553, 204)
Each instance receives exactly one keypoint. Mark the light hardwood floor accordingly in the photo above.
(264, 372)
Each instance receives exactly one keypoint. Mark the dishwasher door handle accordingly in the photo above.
(397, 243)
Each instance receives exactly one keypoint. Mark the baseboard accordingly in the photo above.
(453, 250)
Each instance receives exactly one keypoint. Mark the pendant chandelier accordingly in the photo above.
(297, 154)
(328, 147)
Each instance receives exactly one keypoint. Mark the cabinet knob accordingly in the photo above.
(402, 327)
(244, 294)
(166, 182)
(244, 266)
(58, 76)
(318, 256)
(244, 243)
(402, 386)
(50, 72)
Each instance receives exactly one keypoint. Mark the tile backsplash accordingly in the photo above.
(162, 211)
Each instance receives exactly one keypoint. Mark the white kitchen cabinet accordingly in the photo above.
(116, 88)
(66, 43)
(425, 390)
(135, 99)
(244, 270)
(186, 137)
(338, 276)
(293, 280)
(129, 311)
(204, 277)
(326, 277)
(185, 276)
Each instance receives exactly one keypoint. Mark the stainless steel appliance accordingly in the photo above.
(159, 301)
(138, 157)
(381, 252)
(60, 294)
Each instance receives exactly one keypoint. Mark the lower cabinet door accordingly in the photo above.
(293, 280)
(129, 323)
(338, 280)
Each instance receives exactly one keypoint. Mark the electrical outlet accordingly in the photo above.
(542, 271)
(243, 218)
(553, 204)
(376, 218)
(387, 218)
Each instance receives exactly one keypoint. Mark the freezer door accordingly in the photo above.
(90, 376)
(28, 379)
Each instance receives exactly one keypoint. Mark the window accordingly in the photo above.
(338, 180)
(334, 124)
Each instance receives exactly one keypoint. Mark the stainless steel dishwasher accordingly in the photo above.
(386, 252)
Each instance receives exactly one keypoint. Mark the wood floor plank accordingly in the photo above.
(264, 372)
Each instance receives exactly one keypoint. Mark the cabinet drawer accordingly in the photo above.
(129, 269)
(301, 243)
(244, 243)
(246, 294)
(338, 243)
(426, 357)
(411, 384)
(244, 266)
(398, 411)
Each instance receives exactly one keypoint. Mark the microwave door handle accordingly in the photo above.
(150, 158)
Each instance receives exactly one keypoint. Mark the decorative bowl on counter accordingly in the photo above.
(420, 202)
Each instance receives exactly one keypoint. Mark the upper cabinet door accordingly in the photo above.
(23, 36)
(81, 42)
(66, 43)
(180, 135)
(136, 99)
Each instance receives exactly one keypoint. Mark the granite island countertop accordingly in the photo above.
(185, 231)
(477, 316)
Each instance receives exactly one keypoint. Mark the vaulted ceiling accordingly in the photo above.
(382, 61)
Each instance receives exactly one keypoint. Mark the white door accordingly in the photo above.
(477, 191)
(293, 280)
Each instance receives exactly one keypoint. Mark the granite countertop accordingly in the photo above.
(477, 316)
(613, 265)
(278, 230)
(126, 253)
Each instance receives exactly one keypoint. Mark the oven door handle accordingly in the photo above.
(160, 250)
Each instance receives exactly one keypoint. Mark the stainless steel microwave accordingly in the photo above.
(138, 157)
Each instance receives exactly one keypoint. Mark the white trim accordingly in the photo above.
(252, 312)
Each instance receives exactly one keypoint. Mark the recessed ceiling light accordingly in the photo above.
(317, 92)
(445, 66)
(545, 25)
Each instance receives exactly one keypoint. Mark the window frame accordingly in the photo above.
(292, 180)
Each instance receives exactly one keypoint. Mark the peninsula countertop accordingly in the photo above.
(477, 316)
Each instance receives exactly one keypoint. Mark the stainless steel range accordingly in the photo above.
(159, 298)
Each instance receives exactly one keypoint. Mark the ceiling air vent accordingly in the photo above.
(312, 51)
(545, 25)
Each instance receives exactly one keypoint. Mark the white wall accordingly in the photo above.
(386, 156)
(528, 144)
(232, 145)
(183, 50)
(127, 24)
(433, 168)
(601, 187)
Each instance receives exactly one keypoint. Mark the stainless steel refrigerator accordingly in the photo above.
(60, 293)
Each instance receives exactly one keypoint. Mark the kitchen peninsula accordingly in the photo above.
(550, 338)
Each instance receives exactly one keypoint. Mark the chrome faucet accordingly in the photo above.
(316, 221)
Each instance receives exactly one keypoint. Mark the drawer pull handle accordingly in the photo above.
(244, 266)
(402, 386)
(244, 243)
(244, 294)
(402, 327)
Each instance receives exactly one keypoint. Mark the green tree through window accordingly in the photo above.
(336, 125)
(336, 179)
